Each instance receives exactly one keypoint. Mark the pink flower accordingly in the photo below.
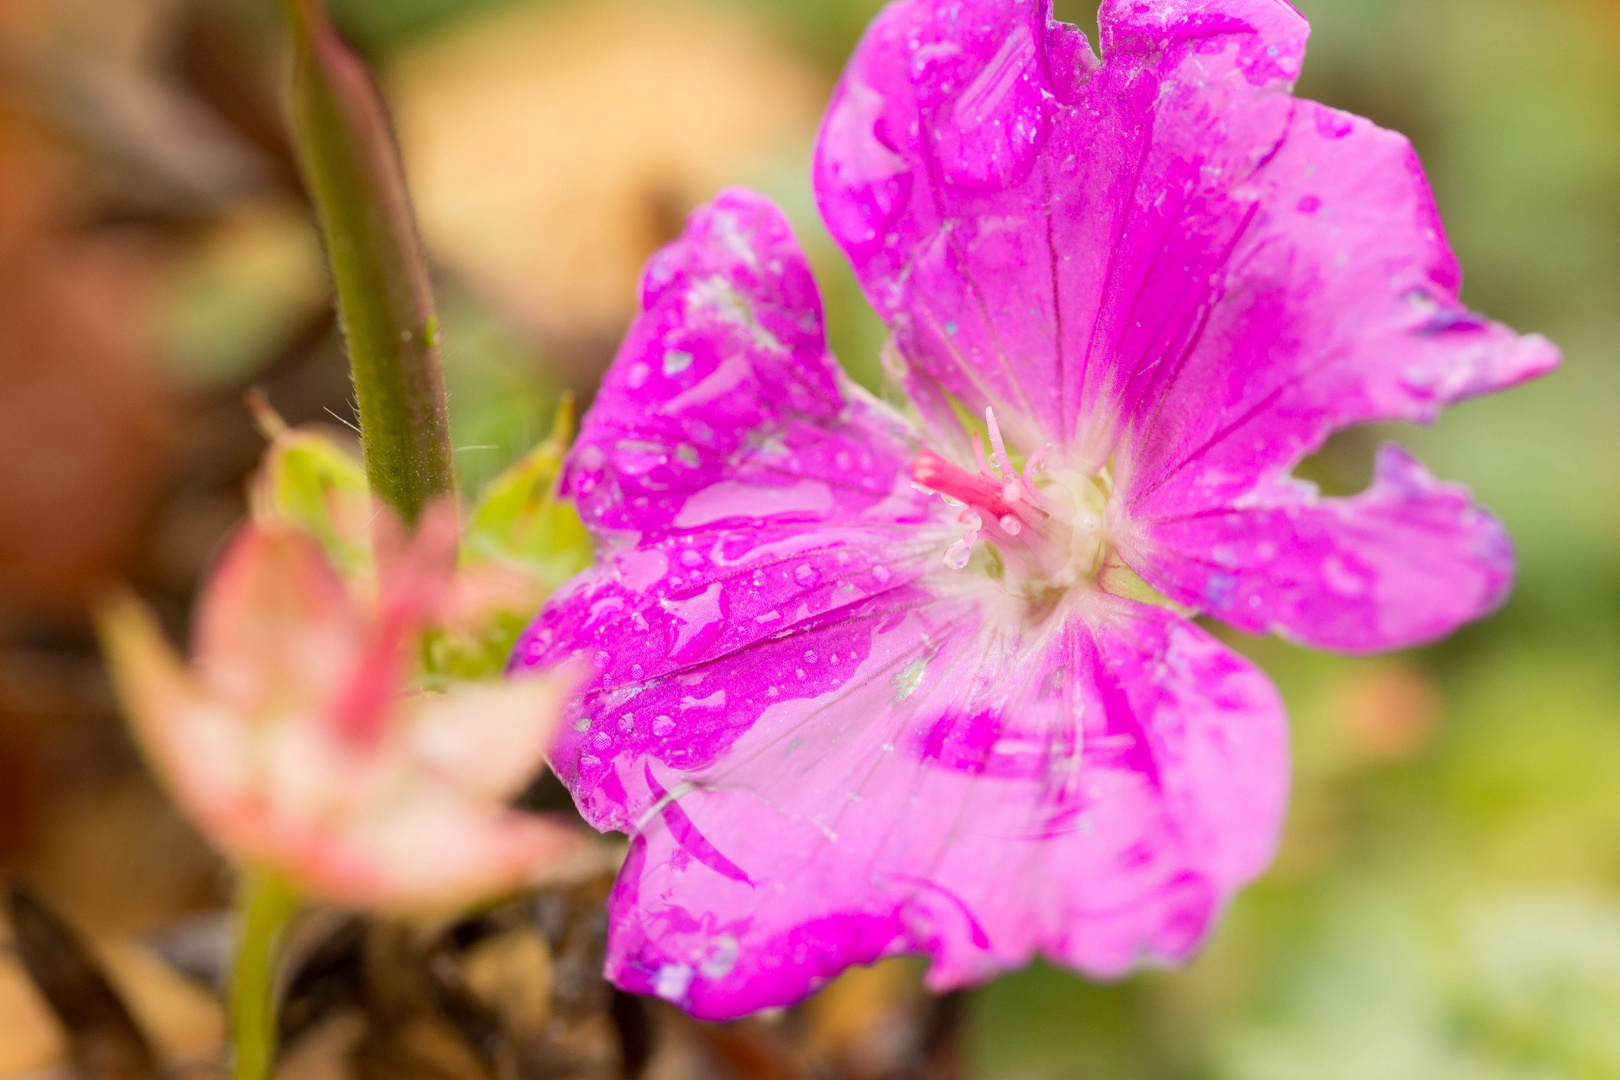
(842, 719)
(294, 744)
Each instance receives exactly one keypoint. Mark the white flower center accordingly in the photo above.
(1045, 524)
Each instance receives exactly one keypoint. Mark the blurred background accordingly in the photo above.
(1447, 900)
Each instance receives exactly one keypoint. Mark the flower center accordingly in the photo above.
(1046, 525)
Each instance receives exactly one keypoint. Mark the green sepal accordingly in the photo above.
(521, 521)
(313, 482)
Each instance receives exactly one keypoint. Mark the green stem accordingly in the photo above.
(264, 909)
(352, 169)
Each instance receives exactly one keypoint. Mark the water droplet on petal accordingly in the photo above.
(810, 656)
(602, 659)
(908, 679)
(874, 182)
(722, 957)
(690, 558)
(1012, 525)
(602, 740)
(589, 763)
(583, 724)
(958, 554)
(881, 574)
(806, 575)
(672, 982)
(662, 726)
(635, 671)
(627, 722)
(1343, 578)
(989, 136)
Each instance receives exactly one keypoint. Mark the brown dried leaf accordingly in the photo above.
(103, 1040)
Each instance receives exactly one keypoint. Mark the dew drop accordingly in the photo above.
(662, 726)
(602, 659)
(799, 672)
(810, 656)
(908, 679)
(589, 763)
(635, 671)
(672, 982)
(881, 574)
(690, 558)
(772, 691)
(627, 722)
(676, 361)
(1341, 578)
(1012, 525)
(957, 555)
(602, 740)
(722, 957)
(806, 575)
(583, 724)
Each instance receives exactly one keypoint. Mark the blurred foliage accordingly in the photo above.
(1447, 900)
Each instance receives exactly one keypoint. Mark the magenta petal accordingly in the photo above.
(1092, 790)
(1034, 224)
(741, 494)
(1189, 277)
(827, 746)
(724, 405)
(1342, 309)
(1340, 306)
(1402, 564)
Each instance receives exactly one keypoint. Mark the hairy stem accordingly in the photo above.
(352, 169)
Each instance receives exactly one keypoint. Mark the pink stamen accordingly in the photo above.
(1002, 462)
(1000, 507)
(978, 453)
(1036, 461)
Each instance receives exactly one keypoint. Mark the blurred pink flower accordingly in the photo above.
(296, 745)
